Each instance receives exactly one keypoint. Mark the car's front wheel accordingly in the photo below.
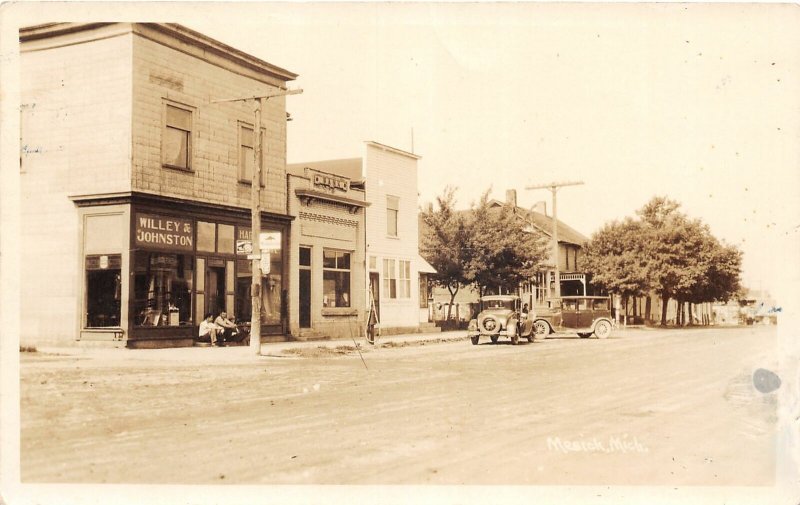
(602, 329)
(494, 338)
(541, 329)
(475, 339)
(515, 340)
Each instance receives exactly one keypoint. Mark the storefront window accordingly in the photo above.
(163, 286)
(271, 281)
(103, 290)
(335, 278)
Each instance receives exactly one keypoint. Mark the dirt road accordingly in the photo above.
(654, 407)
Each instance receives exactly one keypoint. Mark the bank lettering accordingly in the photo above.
(331, 182)
(164, 231)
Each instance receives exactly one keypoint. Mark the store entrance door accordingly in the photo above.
(216, 293)
(305, 299)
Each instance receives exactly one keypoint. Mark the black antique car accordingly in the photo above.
(584, 315)
(500, 316)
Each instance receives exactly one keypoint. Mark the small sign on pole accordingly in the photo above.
(265, 262)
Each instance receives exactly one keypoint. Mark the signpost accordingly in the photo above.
(255, 215)
(553, 187)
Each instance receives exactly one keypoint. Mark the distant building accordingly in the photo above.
(392, 265)
(535, 292)
(136, 186)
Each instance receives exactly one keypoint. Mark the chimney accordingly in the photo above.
(511, 197)
(540, 207)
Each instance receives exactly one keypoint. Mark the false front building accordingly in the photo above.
(136, 183)
(387, 272)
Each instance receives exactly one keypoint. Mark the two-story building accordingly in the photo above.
(538, 289)
(393, 264)
(136, 183)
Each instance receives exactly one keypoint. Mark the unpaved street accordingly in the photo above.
(653, 407)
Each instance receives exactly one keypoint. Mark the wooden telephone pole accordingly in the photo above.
(553, 187)
(255, 213)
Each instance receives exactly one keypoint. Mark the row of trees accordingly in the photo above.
(486, 247)
(666, 252)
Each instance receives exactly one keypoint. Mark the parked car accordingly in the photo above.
(500, 316)
(584, 315)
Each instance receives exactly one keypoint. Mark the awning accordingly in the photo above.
(423, 266)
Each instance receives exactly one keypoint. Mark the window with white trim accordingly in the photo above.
(335, 278)
(176, 143)
(389, 279)
(247, 154)
(392, 211)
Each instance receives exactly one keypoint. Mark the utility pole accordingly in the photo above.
(553, 187)
(255, 213)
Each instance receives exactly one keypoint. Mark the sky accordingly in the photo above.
(698, 103)
(695, 102)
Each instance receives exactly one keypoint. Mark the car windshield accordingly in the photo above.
(498, 304)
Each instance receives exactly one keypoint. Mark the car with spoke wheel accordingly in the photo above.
(500, 316)
(584, 315)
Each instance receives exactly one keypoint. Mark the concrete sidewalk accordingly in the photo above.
(233, 354)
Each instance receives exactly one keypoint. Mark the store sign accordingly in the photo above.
(331, 182)
(164, 232)
(269, 241)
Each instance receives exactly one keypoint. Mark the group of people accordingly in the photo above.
(219, 330)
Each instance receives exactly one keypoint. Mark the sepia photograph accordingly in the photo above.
(394, 252)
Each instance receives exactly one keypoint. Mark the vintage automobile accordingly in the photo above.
(500, 316)
(584, 315)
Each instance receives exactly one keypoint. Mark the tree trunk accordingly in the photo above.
(691, 321)
(452, 298)
(679, 314)
(664, 301)
(648, 307)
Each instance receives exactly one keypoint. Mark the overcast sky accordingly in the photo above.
(695, 102)
(698, 103)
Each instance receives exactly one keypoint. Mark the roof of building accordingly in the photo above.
(544, 223)
(349, 167)
(393, 149)
(185, 39)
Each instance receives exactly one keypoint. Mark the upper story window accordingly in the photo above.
(247, 153)
(392, 208)
(176, 145)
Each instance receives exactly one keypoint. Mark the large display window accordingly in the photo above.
(103, 290)
(162, 289)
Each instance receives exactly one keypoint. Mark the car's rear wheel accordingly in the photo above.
(494, 338)
(584, 335)
(475, 340)
(515, 340)
(602, 329)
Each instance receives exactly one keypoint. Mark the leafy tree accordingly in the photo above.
(503, 249)
(666, 252)
(444, 242)
(615, 260)
(685, 261)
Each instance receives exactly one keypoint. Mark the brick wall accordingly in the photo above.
(164, 73)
